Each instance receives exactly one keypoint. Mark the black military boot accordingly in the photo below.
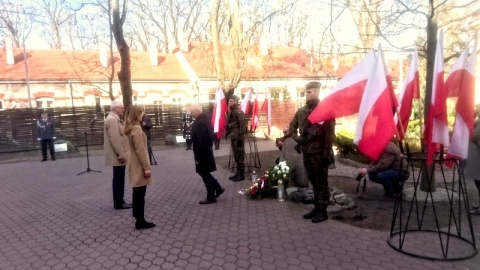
(239, 177)
(322, 215)
(233, 176)
(312, 213)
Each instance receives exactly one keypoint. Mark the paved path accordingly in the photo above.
(50, 218)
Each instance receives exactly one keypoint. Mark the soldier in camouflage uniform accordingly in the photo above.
(315, 141)
(236, 129)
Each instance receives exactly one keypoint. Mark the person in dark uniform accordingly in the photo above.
(146, 126)
(315, 141)
(187, 121)
(236, 129)
(46, 135)
(202, 139)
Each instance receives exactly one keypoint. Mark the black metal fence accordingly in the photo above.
(18, 127)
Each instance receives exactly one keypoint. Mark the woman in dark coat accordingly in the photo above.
(202, 139)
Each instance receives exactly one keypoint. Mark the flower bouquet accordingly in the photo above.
(266, 186)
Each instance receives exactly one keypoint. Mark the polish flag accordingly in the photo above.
(245, 105)
(255, 113)
(411, 90)
(391, 90)
(436, 125)
(218, 115)
(464, 120)
(375, 124)
(345, 97)
(268, 109)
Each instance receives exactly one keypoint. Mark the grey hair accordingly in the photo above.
(115, 104)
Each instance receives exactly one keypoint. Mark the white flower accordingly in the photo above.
(284, 176)
(273, 174)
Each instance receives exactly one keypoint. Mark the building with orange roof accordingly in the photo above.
(56, 78)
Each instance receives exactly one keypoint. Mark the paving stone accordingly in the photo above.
(74, 226)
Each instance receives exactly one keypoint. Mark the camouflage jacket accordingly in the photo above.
(236, 125)
(319, 137)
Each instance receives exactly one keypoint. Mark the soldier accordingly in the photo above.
(315, 140)
(236, 129)
(46, 135)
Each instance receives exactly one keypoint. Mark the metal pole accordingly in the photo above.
(26, 75)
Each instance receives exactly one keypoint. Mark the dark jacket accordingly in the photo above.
(45, 129)
(389, 160)
(319, 137)
(202, 139)
(147, 126)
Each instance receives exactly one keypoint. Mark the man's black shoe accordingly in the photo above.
(311, 214)
(208, 201)
(54, 159)
(123, 206)
(233, 176)
(238, 178)
(219, 192)
(44, 160)
(144, 225)
(320, 217)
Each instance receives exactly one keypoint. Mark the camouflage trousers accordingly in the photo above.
(238, 149)
(317, 174)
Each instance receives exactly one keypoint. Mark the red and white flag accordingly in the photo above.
(245, 105)
(345, 97)
(462, 78)
(219, 111)
(411, 90)
(391, 90)
(436, 125)
(375, 124)
(255, 113)
(267, 108)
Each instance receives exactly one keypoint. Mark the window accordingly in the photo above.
(176, 99)
(135, 98)
(44, 102)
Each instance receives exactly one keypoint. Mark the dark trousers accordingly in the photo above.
(189, 143)
(388, 179)
(318, 176)
(216, 141)
(118, 185)
(239, 154)
(49, 143)
(150, 152)
(211, 184)
(138, 200)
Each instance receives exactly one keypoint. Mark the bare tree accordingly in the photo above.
(54, 16)
(16, 21)
(125, 73)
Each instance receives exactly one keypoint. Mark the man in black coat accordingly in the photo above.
(202, 140)
(46, 135)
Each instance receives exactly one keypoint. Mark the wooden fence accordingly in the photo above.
(18, 127)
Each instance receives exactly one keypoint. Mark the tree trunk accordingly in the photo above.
(125, 73)
(432, 29)
(219, 64)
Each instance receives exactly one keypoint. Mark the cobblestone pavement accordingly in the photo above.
(53, 219)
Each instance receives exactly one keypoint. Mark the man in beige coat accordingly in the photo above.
(115, 147)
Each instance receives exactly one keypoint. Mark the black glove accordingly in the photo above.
(301, 140)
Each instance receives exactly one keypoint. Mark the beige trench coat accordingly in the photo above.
(115, 144)
(138, 160)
